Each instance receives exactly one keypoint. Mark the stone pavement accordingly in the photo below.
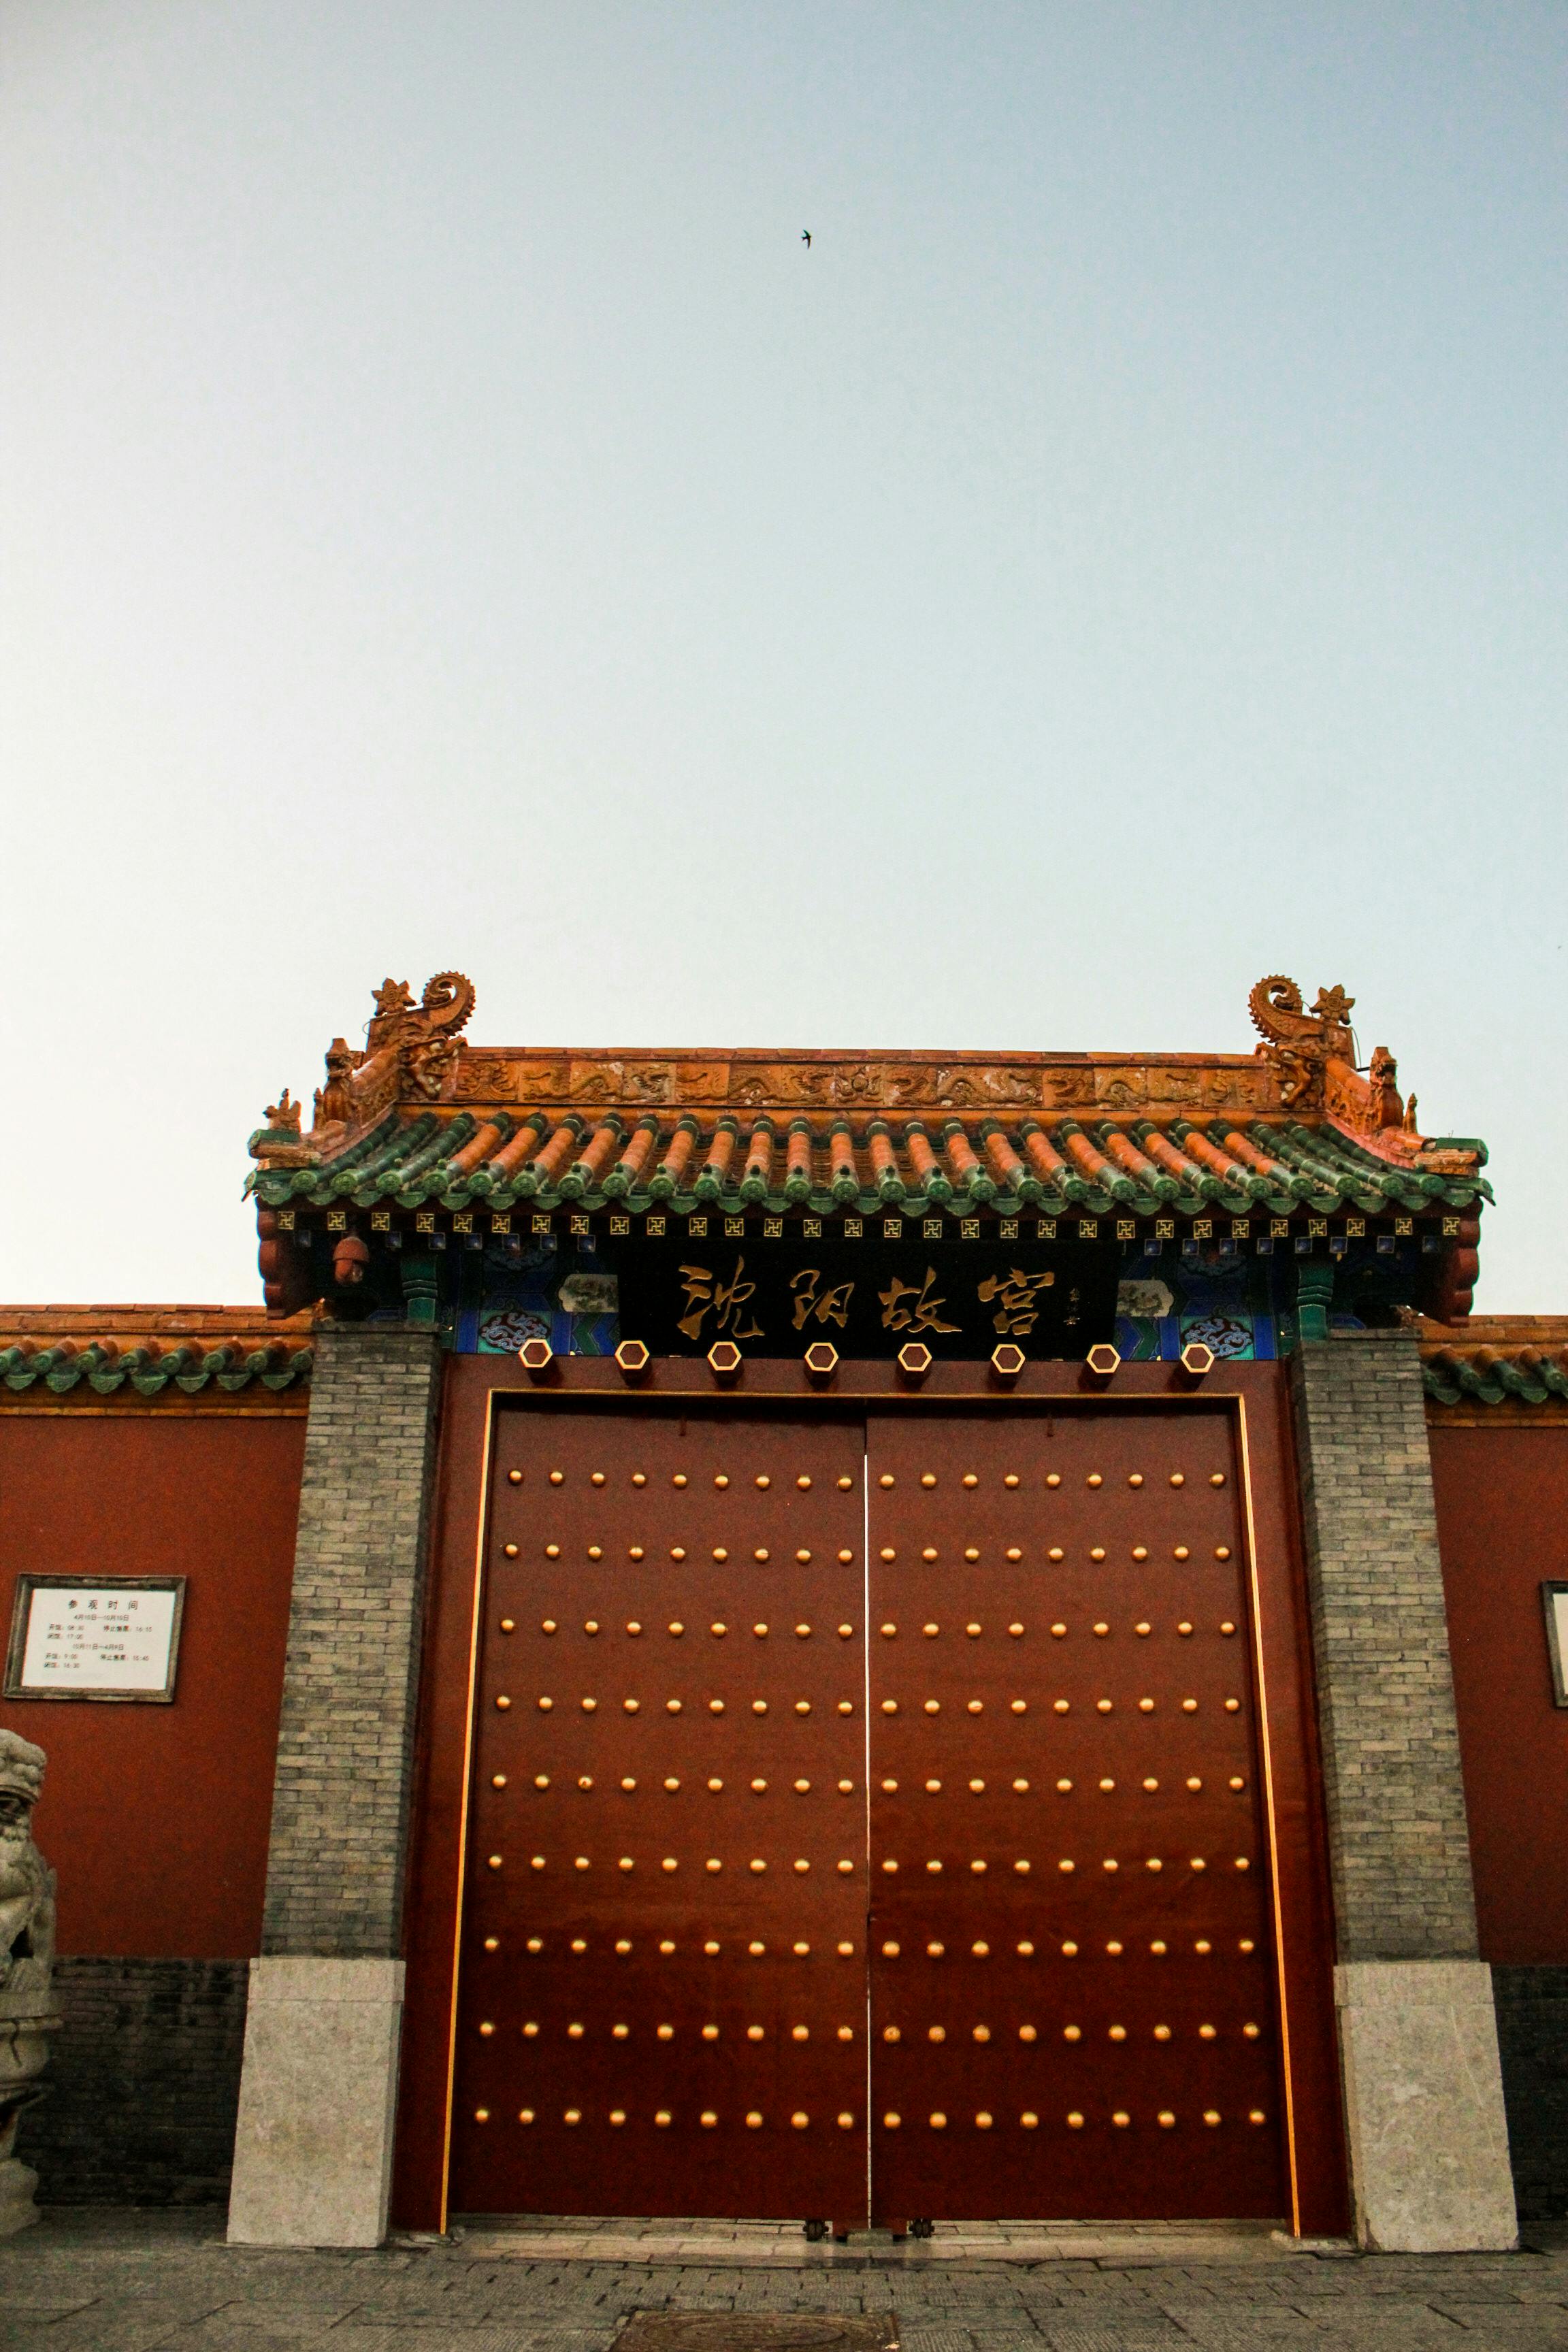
(94, 2281)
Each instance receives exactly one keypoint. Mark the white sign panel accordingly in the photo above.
(96, 1641)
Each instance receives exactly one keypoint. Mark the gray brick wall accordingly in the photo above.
(341, 1791)
(142, 2085)
(1399, 1840)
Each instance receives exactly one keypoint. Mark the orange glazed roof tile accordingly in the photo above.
(144, 1350)
(1495, 1359)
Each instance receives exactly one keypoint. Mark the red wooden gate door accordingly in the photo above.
(1072, 2004)
(671, 1910)
(662, 1993)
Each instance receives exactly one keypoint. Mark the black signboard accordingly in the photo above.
(869, 1298)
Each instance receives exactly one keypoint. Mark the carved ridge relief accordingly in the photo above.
(484, 1077)
(962, 1089)
(642, 1086)
(1110, 1088)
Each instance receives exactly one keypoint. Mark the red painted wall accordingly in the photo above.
(1502, 1523)
(156, 1818)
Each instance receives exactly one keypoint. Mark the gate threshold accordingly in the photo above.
(548, 2237)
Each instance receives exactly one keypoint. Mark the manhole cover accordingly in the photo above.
(754, 2331)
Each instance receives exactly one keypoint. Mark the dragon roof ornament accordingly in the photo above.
(1312, 1054)
(1299, 1044)
(408, 1057)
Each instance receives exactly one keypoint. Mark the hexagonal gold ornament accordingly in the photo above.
(724, 1360)
(821, 1359)
(915, 1361)
(1197, 1359)
(633, 1358)
(536, 1356)
(1007, 1361)
(1103, 1362)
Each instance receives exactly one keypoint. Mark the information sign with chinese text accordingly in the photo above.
(87, 1637)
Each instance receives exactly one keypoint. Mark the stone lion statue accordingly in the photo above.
(27, 1962)
(26, 1883)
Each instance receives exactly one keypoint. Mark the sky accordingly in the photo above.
(448, 516)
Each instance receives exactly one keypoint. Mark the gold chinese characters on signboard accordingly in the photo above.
(716, 1304)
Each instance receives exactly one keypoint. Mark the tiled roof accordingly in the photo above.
(1496, 1359)
(421, 1117)
(144, 1350)
(1145, 1167)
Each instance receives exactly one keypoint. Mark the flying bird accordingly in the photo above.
(805, 238)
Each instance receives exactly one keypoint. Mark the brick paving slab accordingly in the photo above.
(24, 2322)
(1001, 2339)
(1416, 2325)
(1537, 2323)
(429, 2312)
(259, 2325)
(181, 2302)
(1139, 2320)
(1288, 2332)
(1141, 2326)
(464, 2339)
(1016, 2341)
(52, 2296)
(1106, 2339)
(1279, 2331)
(1098, 2338)
(1520, 2326)
(1490, 2341)
(104, 2327)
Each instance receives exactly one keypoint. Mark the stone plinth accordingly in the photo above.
(312, 2155)
(1424, 2109)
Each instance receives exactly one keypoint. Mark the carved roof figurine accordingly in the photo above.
(393, 997)
(335, 1101)
(279, 1144)
(1298, 1043)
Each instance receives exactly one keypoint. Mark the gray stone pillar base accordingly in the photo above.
(313, 2153)
(18, 2182)
(1428, 2140)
